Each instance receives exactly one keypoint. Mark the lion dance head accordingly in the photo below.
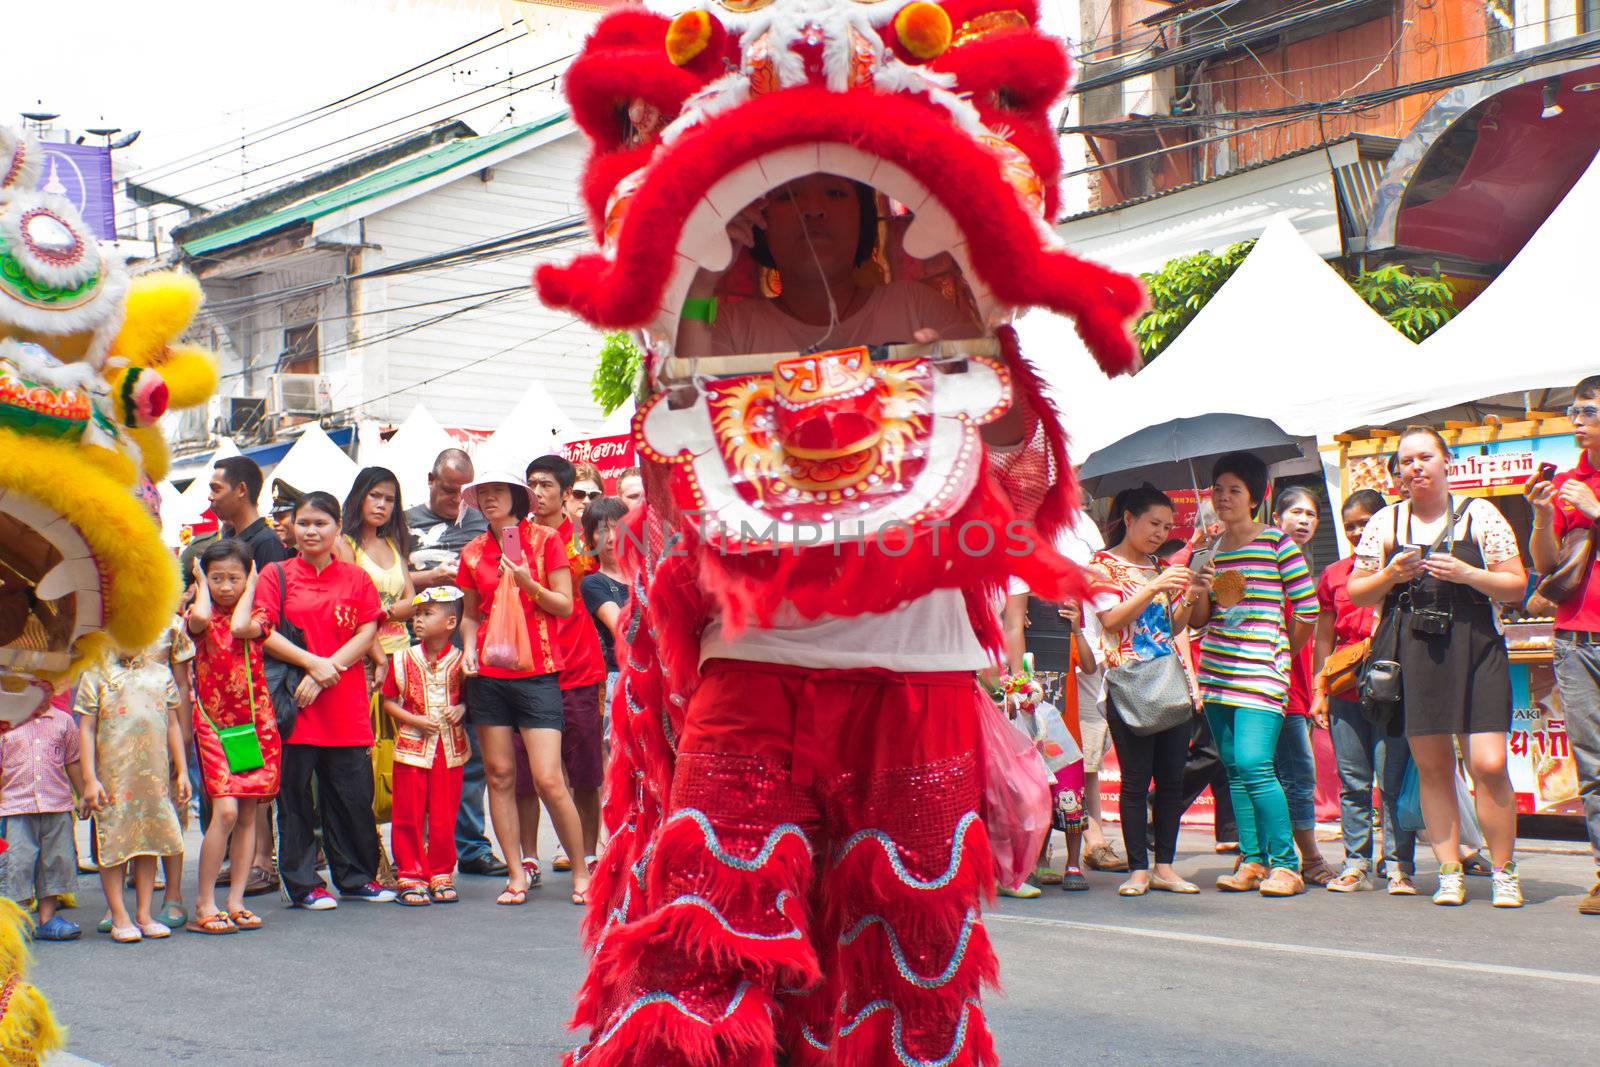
(88, 365)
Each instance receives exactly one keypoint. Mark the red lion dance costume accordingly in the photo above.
(797, 855)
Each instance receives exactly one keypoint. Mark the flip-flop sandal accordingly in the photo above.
(580, 899)
(126, 935)
(511, 897)
(245, 919)
(1319, 874)
(413, 896)
(443, 893)
(215, 923)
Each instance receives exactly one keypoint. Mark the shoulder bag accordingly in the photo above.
(1153, 695)
(283, 678)
(1575, 558)
(241, 745)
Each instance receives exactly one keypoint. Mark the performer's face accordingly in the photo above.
(813, 222)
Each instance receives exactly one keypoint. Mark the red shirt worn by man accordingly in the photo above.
(329, 607)
(479, 570)
(1581, 612)
(583, 663)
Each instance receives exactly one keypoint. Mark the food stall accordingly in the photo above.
(1496, 459)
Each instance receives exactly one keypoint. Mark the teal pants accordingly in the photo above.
(1247, 740)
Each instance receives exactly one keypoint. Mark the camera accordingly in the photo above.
(1428, 622)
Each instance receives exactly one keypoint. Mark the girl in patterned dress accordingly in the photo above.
(230, 690)
(134, 769)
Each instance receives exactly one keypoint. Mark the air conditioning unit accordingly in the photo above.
(302, 395)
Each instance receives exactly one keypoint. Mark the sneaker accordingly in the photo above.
(1283, 882)
(1590, 904)
(1073, 881)
(1452, 891)
(1400, 885)
(530, 868)
(371, 893)
(319, 899)
(1104, 857)
(1351, 880)
(1246, 879)
(1507, 886)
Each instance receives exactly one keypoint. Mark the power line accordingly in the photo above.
(281, 181)
(333, 107)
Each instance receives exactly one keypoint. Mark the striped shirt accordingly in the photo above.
(1244, 655)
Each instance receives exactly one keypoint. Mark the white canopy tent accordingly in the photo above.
(412, 450)
(312, 463)
(1273, 343)
(535, 427)
(1531, 329)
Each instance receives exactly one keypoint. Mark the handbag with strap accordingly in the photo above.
(283, 677)
(1151, 695)
(1341, 671)
(1576, 557)
(241, 745)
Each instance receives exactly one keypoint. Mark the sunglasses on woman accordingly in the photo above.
(586, 495)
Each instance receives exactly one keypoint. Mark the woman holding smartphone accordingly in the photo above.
(1440, 563)
(525, 699)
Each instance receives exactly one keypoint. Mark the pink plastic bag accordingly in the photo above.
(1016, 795)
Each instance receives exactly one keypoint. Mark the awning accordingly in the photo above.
(1325, 192)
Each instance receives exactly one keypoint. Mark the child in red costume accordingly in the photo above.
(422, 692)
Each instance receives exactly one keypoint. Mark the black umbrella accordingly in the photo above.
(1170, 454)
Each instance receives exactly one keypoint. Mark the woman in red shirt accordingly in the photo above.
(1359, 747)
(336, 607)
(526, 699)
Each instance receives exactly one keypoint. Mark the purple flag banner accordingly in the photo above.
(82, 174)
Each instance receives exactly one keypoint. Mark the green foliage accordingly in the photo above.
(1179, 290)
(1414, 304)
(615, 371)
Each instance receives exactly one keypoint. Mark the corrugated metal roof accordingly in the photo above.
(416, 169)
(1158, 194)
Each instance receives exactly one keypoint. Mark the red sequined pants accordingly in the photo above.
(815, 890)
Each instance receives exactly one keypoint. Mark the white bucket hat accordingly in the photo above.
(469, 494)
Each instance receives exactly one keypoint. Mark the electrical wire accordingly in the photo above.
(266, 133)
(282, 181)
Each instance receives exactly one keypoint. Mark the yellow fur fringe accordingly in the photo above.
(28, 1029)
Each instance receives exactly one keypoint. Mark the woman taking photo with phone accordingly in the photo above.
(511, 681)
(1261, 610)
(1438, 563)
(1146, 620)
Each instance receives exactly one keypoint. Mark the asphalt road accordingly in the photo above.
(1088, 977)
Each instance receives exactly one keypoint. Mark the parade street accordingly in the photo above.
(1088, 978)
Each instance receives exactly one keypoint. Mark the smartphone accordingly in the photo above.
(1422, 551)
(1201, 558)
(511, 544)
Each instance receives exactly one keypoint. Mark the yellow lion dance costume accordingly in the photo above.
(88, 365)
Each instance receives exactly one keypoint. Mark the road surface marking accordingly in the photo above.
(1303, 950)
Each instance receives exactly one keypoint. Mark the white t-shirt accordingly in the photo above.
(930, 633)
(891, 314)
(1490, 531)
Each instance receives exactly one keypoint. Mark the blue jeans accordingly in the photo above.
(1359, 748)
(1247, 740)
(471, 844)
(1297, 771)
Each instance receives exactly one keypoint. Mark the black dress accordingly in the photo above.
(1458, 682)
